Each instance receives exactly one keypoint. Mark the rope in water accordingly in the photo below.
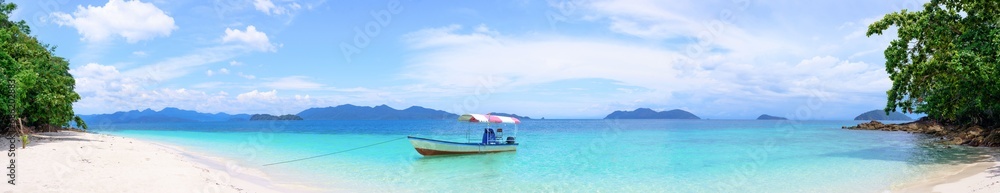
(352, 149)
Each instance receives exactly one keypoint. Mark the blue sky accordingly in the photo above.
(554, 59)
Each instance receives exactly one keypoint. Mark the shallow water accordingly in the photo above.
(572, 155)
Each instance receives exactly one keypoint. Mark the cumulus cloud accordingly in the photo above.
(95, 79)
(103, 88)
(250, 37)
(133, 20)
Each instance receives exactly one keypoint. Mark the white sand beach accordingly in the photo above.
(979, 177)
(83, 162)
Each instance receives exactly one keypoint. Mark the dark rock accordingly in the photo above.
(948, 133)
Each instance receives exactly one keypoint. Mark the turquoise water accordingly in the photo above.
(571, 155)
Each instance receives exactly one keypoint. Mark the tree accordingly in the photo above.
(944, 61)
(43, 93)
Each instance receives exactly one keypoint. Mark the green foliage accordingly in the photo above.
(43, 87)
(944, 60)
(79, 122)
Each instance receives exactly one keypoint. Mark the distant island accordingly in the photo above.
(169, 114)
(268, 117)
(880, 115)
(769, 117)
(646, 113)
(381, 112)
(511, 115)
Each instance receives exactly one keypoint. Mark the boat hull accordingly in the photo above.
(431, 147)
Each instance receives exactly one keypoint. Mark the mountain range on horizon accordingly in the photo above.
(381, 112)
(384, 112)
(646, 113)
(341, 112)
(168, 114)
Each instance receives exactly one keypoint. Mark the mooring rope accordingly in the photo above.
(352, 149)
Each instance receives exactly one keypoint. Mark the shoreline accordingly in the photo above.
(980, 176)
(68, 161)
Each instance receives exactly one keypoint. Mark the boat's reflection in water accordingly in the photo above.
(465, 167)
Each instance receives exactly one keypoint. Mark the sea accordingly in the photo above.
(567, 155)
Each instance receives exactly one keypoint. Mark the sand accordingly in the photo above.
(979, 177)
(84, 162)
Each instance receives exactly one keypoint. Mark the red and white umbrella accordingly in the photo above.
(480, 118)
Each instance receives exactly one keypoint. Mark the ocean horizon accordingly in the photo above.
(570, 155)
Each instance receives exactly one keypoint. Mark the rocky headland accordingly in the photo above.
(948, 133)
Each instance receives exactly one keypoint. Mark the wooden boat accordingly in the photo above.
(491, 141)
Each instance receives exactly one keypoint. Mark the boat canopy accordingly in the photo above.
(480, 118)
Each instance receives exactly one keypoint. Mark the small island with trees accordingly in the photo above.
(646, 113)
(769, 117)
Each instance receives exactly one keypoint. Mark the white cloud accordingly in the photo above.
(476, 55)
(174, 67)
(256, 96)
(247, 76)
(103, 89)
(133, 20)
(270, 8)
(293, 83)
(235, 63)
(139, 53)
(250, 37)
(649, 19)
(220, 71)
(265, 6)
(95, 79)
(666, 77)
(446, 36)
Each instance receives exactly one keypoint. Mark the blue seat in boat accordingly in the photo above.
(486, 135)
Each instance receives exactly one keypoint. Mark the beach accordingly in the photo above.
(69, 161)
(140, 162)
(979, 176)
